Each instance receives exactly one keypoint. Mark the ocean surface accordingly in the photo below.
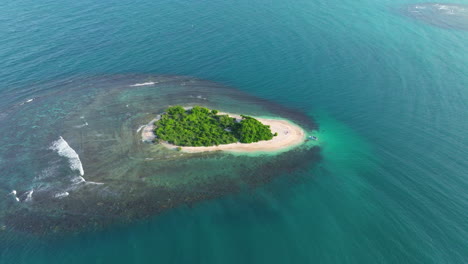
(384, 88)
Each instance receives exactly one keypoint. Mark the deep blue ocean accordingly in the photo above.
(388, 91)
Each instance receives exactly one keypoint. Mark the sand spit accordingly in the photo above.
(147, 134)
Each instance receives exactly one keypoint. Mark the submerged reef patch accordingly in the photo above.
(444, 15)
(70, 177)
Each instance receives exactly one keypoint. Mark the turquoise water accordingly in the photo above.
(389, 94)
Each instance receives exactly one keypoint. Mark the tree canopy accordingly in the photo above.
(201, 126)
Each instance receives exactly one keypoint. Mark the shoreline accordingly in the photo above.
(147, 133)
(289, 135)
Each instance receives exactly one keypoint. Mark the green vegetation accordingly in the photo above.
(201, 126)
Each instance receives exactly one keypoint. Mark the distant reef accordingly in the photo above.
(444, 15)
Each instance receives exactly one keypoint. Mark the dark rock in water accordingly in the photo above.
(439, 14)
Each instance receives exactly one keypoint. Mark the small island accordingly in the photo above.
(200, 126)
(200, 129)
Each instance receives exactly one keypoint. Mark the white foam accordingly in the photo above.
(61, 195)
(29, 196)
(48, 172)
(27, 101)
(140, 128)
(95, 183)
(143, 84)
(196, 96)
(83, 125)
(64, 150)
(14, 195)
(78, 180)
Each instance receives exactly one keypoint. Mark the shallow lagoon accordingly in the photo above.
(88, 167)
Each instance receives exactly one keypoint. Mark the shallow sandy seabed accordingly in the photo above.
(289, 135)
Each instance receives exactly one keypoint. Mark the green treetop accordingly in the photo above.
(201, 126)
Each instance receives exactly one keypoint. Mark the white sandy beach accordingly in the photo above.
(289, 135)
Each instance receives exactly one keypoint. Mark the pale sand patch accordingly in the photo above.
(147, 133)
(289, 135)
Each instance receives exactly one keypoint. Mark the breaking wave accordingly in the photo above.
(29, 196)
(64, 150)
(140, 128)
(13, 193)
(142, 84)
(80, 179)
(61, 195)
(83, 125)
